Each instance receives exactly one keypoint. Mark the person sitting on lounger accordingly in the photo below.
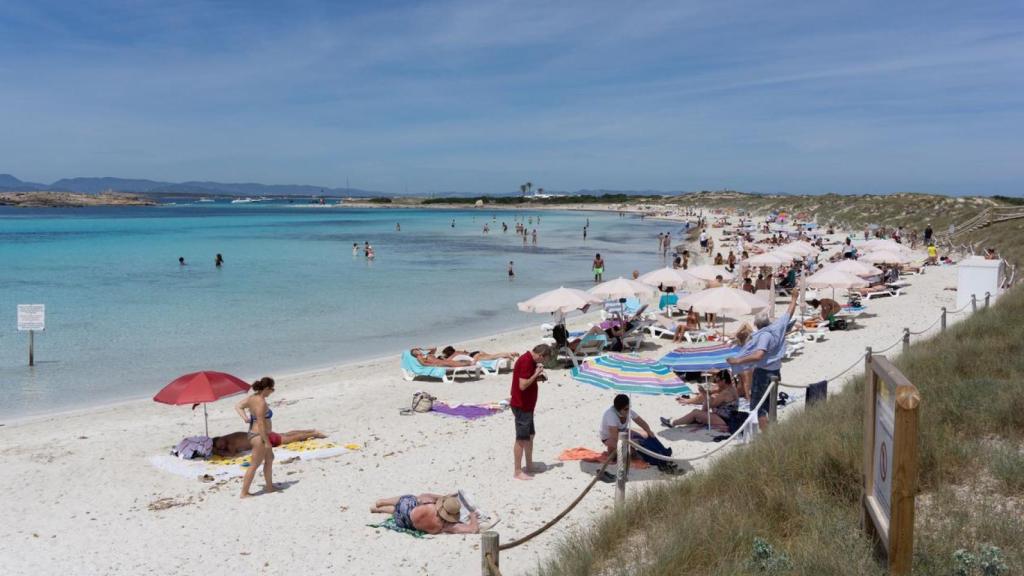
(430, 513)
(450, 353)
(428, 359)
(238, 442)
(827, 307)
(724, 401)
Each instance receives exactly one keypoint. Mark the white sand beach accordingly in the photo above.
(82, 498)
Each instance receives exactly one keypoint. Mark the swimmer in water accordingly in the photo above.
(511, 271)
(218, 261)
(181, 260)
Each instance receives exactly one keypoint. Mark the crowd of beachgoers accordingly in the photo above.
(459, 437)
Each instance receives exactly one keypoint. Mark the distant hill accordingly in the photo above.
(93, 185)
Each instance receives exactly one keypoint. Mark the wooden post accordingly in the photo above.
(488, 545)
(623, 472)
(987, 296)
(904, 481)
(869, 426)
(974, 303)
(942, 323)
(31, 347)
(906, 340)
(773, 398)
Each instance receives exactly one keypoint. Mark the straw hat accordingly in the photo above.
(448, 508)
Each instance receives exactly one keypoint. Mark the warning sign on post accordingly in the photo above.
(31, 317)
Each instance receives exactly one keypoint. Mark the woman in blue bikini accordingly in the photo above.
(257, 414)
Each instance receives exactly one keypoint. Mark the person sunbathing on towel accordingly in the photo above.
(451, 353)
(238, 442)
(430, 513)
(428, 359)
(724, 401)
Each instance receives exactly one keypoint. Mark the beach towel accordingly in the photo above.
(467, 411)
(220, 467)
(390, 524)
(413, 366)
(588, 455)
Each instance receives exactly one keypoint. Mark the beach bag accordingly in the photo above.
(422, 402)
(736, 420)
(654, 445)
(838, 324)
(816, 393)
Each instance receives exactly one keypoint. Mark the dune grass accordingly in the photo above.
(789, 504)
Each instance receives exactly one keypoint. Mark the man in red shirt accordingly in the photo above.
(525, 377)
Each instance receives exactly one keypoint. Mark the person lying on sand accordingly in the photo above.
(430, 513)
(238, 442)
(428, 359)
(450, 353)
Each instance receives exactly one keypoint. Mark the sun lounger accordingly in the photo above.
(493, 367)
(589, 345)
(411, 369)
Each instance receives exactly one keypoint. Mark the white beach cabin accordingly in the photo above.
(978, 276)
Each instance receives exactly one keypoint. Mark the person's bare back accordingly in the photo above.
(424, 517)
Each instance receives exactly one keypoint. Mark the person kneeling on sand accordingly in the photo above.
(238, 442)
(617, 419)
(430, 513)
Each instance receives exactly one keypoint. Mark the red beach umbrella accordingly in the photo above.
(200, 388)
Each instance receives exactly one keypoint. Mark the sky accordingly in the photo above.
(481, 96)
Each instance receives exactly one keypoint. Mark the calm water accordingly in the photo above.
(123, 318)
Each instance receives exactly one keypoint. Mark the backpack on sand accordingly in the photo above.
(422, 402)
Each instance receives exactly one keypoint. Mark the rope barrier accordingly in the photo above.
(918, 333)
(492, 566)
(884, 350)
(561, 515)
(753, 414)
(966, 306)
(832, 379)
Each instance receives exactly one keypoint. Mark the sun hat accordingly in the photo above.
(448, 508)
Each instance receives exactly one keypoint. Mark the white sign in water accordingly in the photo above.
(885, 417)
(31, 317)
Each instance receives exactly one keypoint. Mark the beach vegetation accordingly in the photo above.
(790, 502)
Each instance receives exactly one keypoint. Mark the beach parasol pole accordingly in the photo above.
(206, 421)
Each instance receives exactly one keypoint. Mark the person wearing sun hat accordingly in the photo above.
(430, 513)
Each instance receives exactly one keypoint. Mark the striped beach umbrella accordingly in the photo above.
(629, 375)
(700, 359)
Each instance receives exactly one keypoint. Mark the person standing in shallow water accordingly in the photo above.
(218, 261)
(511, 271)
(598, 268)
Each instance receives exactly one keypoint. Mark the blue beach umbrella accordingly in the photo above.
(700, 359)
(629, 375)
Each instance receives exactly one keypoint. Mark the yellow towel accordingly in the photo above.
(303, 446)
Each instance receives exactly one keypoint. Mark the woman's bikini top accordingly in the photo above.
(268, 416)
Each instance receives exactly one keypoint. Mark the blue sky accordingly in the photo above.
(799, 96)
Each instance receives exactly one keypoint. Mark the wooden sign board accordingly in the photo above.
(890, 460)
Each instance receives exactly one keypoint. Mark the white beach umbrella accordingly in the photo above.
(885, 257)
(878, 245)
(669, 277)
(724, 300)
(788, 256)
(622, 288)
(832, 278)
(562, 300)
(707, 273)
(800, 248)
(855, 267)
(767, 259)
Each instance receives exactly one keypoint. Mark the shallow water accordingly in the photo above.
(123, 318)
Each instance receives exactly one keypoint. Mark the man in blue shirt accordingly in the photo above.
(767, 349)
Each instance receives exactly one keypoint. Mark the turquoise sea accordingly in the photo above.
(123, 318)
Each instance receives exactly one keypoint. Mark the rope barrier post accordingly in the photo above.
(987, 296)
(943, 321)
(488, 547)
(773, 399)
(974, 303)
(623, 472)
(906, 340)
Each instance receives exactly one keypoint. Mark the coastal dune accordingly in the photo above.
(87, 501)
